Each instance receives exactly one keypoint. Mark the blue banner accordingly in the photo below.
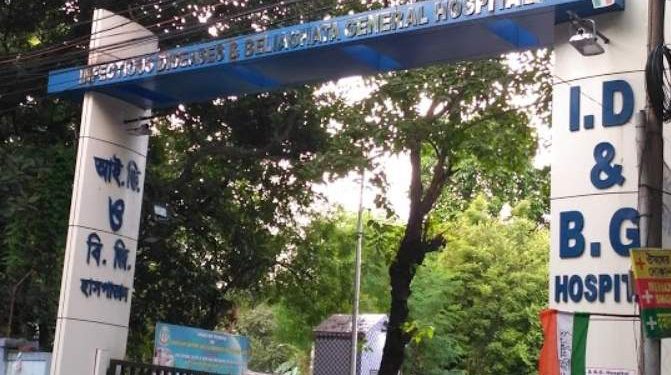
(198, 349)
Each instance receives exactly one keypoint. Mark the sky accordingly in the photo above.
(345, 191)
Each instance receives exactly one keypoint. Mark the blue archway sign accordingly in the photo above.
(401, 37)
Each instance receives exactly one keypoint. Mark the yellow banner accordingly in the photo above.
(651, 263)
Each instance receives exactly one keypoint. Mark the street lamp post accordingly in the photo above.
(357, 278)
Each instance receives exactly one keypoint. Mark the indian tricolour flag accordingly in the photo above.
(602, 3)
(563, 351)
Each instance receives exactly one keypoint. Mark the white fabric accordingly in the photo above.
(564, 342)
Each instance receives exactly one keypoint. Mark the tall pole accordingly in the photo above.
(652, 178)
(357, 279)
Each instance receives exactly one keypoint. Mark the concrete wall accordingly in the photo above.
(580, 111)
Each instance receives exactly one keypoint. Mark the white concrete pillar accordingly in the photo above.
(595, 103)
(97, 284)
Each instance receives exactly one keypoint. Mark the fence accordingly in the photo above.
(129, 368)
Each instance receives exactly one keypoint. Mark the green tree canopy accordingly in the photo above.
(320, 281)
(482, 297)
(473, 309)
(452, 120)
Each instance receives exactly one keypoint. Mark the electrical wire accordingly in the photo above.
(658, 81)
(143, 40)
(20, 57)
(83, 50)
(82, 42)
(47, 65)
(156, 26)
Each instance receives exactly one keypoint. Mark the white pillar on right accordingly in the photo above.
(594, 195)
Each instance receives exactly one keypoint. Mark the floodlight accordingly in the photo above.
(586, 37)
(138, 127)
(139, 130)
(586, 42)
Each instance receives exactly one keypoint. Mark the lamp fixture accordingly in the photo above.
(138, 130)
(585, 37)
(140, 126)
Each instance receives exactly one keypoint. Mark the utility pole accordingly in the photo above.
(357, 280)
(652, 179)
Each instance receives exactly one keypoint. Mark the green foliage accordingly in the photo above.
(473, 308)
(260, 325)
(317, 281)
(462, 135)
(320, 279)
(37, 154)
(528, 189)
(482, 296)
(34, 189)
(234, 176)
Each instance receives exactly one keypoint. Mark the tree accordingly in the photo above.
(33, 189)
(260, 325)
(234, 177)
(464, 316)
(320, 281)
(482, 324)
(233, 174)
(447, 118)
(37, 149)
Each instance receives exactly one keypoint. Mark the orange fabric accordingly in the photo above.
(548, 363)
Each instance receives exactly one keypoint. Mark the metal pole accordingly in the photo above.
(648, 359)
(652, 179)
(357, 279)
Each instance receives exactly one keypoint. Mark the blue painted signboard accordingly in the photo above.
(199, 349)
(399, 37)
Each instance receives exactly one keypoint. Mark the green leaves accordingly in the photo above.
(34, 197)
(418, 332)
(482, 296)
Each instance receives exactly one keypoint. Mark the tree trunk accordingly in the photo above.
(410, 255)
(401, 272)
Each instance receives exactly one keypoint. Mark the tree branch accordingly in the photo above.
(416, 187)
(440, 174)
(234, 152)
(215, 149)
(430, 115)
(435, 244)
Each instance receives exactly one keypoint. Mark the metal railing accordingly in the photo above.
(118, 367)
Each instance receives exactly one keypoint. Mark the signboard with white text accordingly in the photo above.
(652, 273)
(201, 350)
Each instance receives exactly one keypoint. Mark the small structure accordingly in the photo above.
(333, 343)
